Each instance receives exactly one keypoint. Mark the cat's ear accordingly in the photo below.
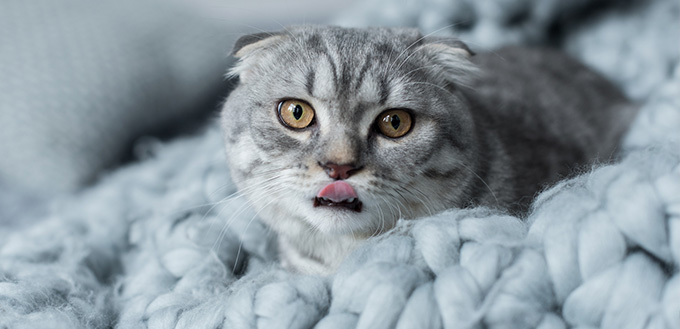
(252, 42)
(450, 60)
(248, 49)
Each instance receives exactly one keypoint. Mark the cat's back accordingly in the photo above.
(543, 115)
(545, 95)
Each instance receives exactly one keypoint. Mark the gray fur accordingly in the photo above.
(489, 130)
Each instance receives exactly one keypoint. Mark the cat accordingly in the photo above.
(334, 134)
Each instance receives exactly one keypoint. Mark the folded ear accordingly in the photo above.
(450, 60)
(248, 49)
(251, 42)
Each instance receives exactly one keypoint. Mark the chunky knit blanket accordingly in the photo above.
(162, 243)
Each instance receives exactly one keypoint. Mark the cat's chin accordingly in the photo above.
(342, 221)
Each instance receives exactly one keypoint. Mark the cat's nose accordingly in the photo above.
(339, 171)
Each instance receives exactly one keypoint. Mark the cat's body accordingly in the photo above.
(313, 142)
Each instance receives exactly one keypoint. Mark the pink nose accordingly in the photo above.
(337, 171)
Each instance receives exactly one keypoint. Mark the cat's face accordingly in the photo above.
(345, 131)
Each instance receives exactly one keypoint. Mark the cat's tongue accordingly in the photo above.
(338, 191)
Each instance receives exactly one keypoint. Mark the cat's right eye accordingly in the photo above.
(295, 113)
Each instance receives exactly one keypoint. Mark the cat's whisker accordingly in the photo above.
(242, 193)
(353, 236)
(481, 48)
(483, 182)
(406, 59)
(389, 69)
(424, 203)
(420, 68)
(258, 29)
(389, 60)
(422, 38)
(224, 201)
(194, 207)
(231, 199)
(248, 204)
(240, 246)
(382, 229)
(253, 183)
(222, 187)
(382, 222)
(311, 229)
(293, 36)
(400, 206)
(235, 194)
(399, 195)
(381, 216)
(395, 215)
(226, 227)
(399, 213)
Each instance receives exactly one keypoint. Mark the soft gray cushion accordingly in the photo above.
(80, 79)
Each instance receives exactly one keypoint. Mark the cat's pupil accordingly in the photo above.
(395, 121)
(297, 112)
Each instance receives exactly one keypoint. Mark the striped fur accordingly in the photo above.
(489, 129)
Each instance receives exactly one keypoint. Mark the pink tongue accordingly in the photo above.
(337, 191)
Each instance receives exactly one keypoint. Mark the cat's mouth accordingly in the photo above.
(338, 194)
(352, 204)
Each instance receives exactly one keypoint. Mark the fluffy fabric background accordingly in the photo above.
(81, 80)
(161, 244)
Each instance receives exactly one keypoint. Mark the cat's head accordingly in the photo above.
(344, 131)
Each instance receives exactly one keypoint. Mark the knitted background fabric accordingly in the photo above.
(161, 244)
(81, 80)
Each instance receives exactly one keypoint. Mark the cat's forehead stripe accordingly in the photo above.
(309, 82)
(324, 85)
(362, 72)
(345, 74)
(384, 91)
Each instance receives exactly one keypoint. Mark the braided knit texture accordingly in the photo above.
(162, 243)
(157, 244)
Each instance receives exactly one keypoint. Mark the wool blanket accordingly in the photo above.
(165, 243)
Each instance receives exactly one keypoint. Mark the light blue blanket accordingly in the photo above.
(161, 244)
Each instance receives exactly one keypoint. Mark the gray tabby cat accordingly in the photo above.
(334, 134)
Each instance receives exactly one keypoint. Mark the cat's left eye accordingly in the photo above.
(296, 114)
(394, 123)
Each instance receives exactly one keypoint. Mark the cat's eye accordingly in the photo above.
(394, 123)
(295, 113)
